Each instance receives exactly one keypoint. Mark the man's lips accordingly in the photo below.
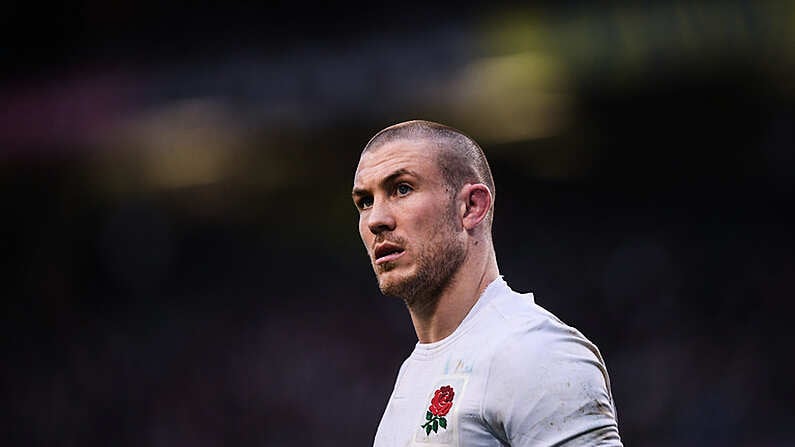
(387, 252)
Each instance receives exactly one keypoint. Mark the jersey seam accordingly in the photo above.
(487, 383)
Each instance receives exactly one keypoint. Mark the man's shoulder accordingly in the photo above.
(520, 317)
(528, 331)
(542, 373)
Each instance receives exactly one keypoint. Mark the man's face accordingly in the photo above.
(408, 220)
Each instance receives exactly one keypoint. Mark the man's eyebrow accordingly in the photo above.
(386, 181)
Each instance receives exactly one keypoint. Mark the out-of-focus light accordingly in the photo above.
(628, 42)
(511, 98)
(63, 113)
(189, 143)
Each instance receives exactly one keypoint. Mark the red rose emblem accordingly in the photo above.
(442, 401)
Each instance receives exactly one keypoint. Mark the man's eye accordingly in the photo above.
(402, 190)
(365, 202)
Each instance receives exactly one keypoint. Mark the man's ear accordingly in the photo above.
(477, 202)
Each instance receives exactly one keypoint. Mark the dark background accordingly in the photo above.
(180, 258)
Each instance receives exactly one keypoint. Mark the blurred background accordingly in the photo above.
(180, 259)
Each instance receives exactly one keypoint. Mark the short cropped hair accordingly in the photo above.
(461, 160)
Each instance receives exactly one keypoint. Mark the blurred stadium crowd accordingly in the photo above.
(182, 265)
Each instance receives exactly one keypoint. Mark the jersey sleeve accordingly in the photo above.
(548, 386)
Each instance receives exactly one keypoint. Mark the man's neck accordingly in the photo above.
(454, 302)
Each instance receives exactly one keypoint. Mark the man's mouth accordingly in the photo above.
(387, 252)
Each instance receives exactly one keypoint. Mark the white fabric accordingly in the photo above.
(520, 377)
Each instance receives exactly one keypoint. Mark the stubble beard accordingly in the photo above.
(436, 266)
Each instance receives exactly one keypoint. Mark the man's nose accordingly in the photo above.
(381, 218)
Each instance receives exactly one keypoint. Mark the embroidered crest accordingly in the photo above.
(441, 403)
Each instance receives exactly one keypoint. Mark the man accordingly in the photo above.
(491, 367)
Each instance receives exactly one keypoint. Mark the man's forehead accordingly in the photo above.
(398, 152)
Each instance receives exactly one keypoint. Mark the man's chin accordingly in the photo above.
(388, 288)
(392, 284)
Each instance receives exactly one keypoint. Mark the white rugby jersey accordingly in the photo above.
(511, 374)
